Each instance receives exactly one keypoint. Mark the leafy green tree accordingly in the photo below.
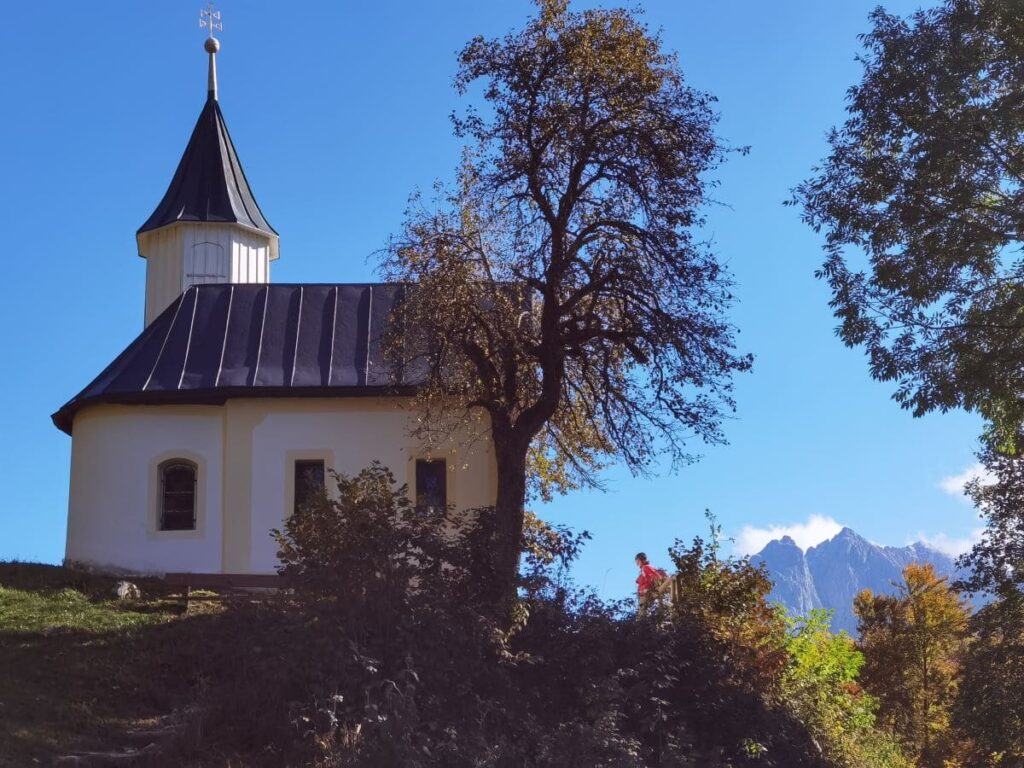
(922, 204)
(996, 563)
(560, 289)
(989, 707)
(821, 688)
(913, 643)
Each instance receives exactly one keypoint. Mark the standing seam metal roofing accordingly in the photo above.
(209, 183)
(255, 340)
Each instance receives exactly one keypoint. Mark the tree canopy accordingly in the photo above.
(989, 710)
(922, 204)
(989, 707)
(561, 289)
(912, 642)
(995, 563)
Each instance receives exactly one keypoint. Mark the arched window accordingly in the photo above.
(177, 495)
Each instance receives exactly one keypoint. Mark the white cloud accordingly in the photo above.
(951, 545)
(954, 484)
(817, 529)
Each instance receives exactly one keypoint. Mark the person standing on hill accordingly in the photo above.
(647, 582)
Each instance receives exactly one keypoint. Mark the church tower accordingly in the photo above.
(208, 227)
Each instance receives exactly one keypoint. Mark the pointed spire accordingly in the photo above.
(209, 184)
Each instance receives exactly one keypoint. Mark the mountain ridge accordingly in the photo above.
(830, 574)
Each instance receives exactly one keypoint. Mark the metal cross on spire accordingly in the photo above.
(210, 19)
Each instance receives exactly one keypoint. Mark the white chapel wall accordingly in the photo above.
(112, 511)
(246, 451)
(348, 433)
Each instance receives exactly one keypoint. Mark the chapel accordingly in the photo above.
(240, 395)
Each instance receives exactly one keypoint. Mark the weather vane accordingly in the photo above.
(210, 19)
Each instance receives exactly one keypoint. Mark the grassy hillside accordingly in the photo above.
(81, 670)
(294, 682)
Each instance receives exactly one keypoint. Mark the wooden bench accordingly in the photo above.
(223, 583)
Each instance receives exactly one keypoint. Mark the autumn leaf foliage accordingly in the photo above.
(913, 642)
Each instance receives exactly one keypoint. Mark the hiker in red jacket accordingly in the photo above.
(647, 582)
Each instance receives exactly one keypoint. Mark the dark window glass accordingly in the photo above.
(177, 495)
(309, 481)
(431, 486)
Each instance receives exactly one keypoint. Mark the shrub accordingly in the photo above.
(383, 655)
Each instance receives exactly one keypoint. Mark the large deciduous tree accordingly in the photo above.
(996, 563)
(912, 643)
(989, 706)
(561, 290)
(922, 204)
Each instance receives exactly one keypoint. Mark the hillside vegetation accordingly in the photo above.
(378, 659)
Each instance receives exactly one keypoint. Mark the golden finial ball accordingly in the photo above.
(212, 45)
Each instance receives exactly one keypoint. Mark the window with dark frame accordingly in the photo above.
(431, 486)
(309, 481)
(177, 495)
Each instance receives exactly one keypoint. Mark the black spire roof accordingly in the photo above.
(241, 340)
(209, 184)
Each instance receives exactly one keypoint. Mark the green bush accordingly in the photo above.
(384, 655)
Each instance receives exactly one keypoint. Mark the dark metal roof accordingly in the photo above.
(209, 184)
(231, 340)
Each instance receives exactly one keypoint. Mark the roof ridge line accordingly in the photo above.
(334, 331)
(163, 346)
(298, 330)
(188, 344)
(224, 344)
(263, 326)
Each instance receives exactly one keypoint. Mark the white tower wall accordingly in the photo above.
(196, 253)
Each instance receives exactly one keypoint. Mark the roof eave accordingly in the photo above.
(64, 418)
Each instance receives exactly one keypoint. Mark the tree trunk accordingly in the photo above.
(509, 515)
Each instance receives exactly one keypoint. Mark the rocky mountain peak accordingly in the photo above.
(831, 573)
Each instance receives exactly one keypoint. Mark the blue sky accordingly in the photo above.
(339, 111)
